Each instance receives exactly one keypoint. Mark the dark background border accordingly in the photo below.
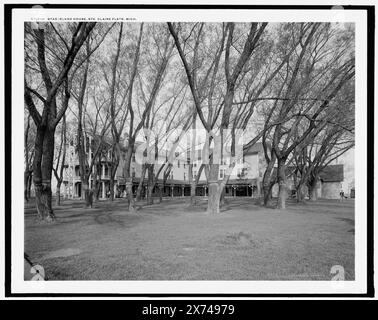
(8, 141)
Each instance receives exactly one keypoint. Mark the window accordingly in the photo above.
(171, 175)
(178, 163)
(133, 172)
(194, 174)
(184, 176)
(221, 173)
(199, 155)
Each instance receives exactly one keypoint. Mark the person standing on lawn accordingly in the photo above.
(341, 195)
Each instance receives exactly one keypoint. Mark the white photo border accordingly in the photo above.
(172, 288)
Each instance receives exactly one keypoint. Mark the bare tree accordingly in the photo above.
(29, 154)
(53, 78)
(335, 140)
(83, 146)
(60, 161)
(219, 90)
(306, 94)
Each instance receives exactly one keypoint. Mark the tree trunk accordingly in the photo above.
(150, 199)
(313, 192)
(267, 181)
(96, 189)
(282, 191)
(130, 196)
(213, 199)
(128, 178)
(150, 184)
(300, 195)
(223, 200)
(87, 193)
(214, 190)
(57, 200)
(140, 185)
(26, 183)
(30, 181)
(160, 193)
(42, 170)
(267, 189)
(193, 187)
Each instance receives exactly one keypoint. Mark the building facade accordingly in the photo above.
(245, 179)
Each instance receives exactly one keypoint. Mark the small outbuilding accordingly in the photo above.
(331, 179)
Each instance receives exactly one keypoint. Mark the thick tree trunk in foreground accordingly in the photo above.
(267, 190)
(42, 171)
(214, 190)
(47, 121)
(214, 198)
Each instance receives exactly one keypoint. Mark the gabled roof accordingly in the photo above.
(332, 173)
(256, 148)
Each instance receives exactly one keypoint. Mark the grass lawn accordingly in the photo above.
(170, 241)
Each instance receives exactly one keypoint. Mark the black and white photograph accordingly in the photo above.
(189, 151)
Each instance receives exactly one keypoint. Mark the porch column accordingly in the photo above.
(251, 191)
(103, 190)
(172, 191)
(233, 187)
(103, 170)
(183, 191)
